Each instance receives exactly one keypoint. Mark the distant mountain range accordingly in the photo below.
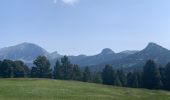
(27, 52)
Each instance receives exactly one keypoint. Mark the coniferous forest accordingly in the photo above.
(151, 77)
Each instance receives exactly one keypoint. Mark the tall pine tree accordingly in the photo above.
(86, 75)
(66, 68)
(42, 66)
(108, 75)
(122, 77)
(167, 77)
(133, 80)
(151, 76)
(57, 70)
(76, 73)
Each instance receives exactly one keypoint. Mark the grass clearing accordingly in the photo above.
(46, 89)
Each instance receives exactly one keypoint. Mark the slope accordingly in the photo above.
(45, 89)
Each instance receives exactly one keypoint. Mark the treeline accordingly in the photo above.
(152, 76)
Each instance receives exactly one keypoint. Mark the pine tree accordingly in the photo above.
(151, 76)
(167, 77)
(122, 77)
(134, 80)
(42, 67)
(57, 70)
(66, 68)
(76, 74)
(108, 75)
(163, 76)
(86, 75)
(97, 77)
(130, 80)
(117, 81)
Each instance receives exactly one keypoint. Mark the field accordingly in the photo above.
(44, 89)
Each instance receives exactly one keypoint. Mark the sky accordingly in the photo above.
(74, 27)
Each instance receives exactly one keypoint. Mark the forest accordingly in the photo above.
(151, 77)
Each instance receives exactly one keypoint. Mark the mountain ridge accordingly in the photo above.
(152, 51)
(27, 52)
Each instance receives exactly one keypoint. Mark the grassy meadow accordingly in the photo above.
(46, 89)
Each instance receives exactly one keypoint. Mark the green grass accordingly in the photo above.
(44, 89)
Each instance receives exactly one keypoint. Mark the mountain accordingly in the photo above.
(54, 55)
(153, 51)
(26, 52)
(106, 55)
(107, 51)
(129, 52)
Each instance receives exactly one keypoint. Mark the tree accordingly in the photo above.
(6, 69)
(86, 75)
(121, 77)
(27, 71)
(108, 75)
(76, 74)
(66, 68)
(34, 72)
(97, 77)
(167, 77)
(163, 76)
(133, 80)
(0, 63)
(13, 69)
(19, 69)
(130, 79)
(42, 67)
(0, 69)
(57, 70)
(151, 76)
(117, 81)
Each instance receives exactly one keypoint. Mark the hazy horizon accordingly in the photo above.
(74, 27)
(84, 53)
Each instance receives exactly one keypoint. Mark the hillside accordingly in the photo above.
(44, 89)
(26, 52)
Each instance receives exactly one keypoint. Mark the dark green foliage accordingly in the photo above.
(130, 79)
(42, 67)
(66, 71)
(34, 72)
(86, 75)
(0, 63)
(121, 77)
(13, 69)
(151, 76)
(108, 75)
(96, 77)
(57, 70)
(6, 69)
(133, 80)
(163, 76)
(66, 68)
(167, 77)
(20, 70)
(76, 73)
(117, 81)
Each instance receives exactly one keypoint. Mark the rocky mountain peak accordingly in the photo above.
(107, 51)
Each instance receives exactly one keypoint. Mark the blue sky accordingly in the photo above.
(85, 26)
